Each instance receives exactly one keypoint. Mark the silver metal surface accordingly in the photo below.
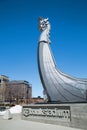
(58, 86)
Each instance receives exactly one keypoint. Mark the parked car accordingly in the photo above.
(2, 108)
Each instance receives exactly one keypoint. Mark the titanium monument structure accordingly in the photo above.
(59, 87)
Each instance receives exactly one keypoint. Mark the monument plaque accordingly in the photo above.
(72, 115)
(47, 112)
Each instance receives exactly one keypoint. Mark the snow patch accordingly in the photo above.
(16, 109)
(2, 113)
(13, 110)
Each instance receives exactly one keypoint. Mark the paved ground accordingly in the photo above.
(17, 124)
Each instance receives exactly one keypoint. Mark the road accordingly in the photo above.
(17, 124)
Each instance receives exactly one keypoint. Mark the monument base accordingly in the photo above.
(71, 115)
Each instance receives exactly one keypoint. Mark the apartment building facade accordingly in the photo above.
(15, 91)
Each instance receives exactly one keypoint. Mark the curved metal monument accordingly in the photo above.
(58, 86)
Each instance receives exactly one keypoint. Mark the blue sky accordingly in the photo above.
(19, 36)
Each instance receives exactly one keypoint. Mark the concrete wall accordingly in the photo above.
(71, 115)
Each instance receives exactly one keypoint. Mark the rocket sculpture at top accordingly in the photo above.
(59, 87)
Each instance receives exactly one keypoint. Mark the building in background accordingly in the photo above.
(37, 100)
(3, 80)
(15, 91)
